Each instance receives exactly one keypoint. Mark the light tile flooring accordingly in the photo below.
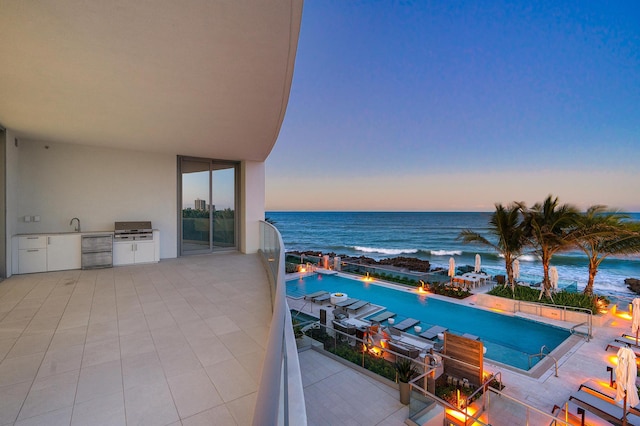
(178, 342)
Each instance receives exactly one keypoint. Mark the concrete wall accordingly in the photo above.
(58, 181)
(252, 201)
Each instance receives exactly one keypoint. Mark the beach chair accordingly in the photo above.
(347, 302)
(433, 332)
(382, 317)
(617, 345)
(470, 336)
(574, 418)
(311, 296)
(604, 391)
(403, 325)
(358, 305)
(603, 408)
(403, 349)
(322, 298)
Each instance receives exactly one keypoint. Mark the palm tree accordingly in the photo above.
(600, 234)
(547, 226)
(505, 226)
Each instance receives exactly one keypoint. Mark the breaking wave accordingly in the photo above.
(385, 250)
(446, 252)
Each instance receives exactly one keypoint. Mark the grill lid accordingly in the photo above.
(133, 227)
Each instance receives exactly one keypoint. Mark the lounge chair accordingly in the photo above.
(470, 336)
(603, 408)
(604, 391)
(403, 349)
(311, 296)
(628, 339)
(617, 345)
(358, 305)
(433, 332)
(574, 418)
(322, 298)
(382, 317)
(403, 325)
(347, 302)
(348, 329)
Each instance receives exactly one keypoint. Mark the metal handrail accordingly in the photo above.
(280, 397)
(542, 354)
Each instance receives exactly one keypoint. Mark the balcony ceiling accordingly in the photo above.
(198, 77)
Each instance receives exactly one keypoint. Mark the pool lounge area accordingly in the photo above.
(578, 361)
(501, 334)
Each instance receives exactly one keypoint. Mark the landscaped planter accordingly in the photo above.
(507, 305)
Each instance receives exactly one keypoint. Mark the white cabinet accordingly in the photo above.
(32, 254)
(131, 252)
(64, 252)
(48, 252)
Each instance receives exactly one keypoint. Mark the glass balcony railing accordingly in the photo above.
(280, 399)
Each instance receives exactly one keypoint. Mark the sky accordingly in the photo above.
(456, 106)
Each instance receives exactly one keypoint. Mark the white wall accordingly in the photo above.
(252, 196)
(60, 181)
(12, 193)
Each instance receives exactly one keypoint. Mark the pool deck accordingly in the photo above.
(578, 362)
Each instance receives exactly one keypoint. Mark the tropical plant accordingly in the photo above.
(600, 234)
(405, 370)
(546, 227)
(505, 226)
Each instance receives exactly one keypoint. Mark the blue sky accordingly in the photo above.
(454, 106)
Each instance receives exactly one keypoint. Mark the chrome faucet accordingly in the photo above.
(77, 227)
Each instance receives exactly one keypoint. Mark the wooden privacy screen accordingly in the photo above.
(463, 358)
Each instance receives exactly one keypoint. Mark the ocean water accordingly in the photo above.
(433, 236)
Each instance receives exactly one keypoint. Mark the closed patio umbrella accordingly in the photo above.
(626, 372)
(635, 317)
(516, 270)
(553, 278)
(476, 268)
(452, 267)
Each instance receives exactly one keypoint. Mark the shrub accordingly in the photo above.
(564, 298)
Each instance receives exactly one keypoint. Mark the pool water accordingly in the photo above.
(509, 340)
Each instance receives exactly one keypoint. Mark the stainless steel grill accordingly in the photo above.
(133, 231)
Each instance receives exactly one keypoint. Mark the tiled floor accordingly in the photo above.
(179, 342)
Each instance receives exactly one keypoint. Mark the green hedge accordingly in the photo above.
(564, 298)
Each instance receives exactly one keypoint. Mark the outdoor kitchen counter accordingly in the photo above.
(57, 251)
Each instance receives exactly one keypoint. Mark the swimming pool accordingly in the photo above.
(509, 340)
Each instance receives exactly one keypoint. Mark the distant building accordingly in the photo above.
(200, 204)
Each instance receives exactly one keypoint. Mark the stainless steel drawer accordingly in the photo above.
(94, 243)
(97, 260)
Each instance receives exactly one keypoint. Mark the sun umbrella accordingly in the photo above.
(553, 278)
(626, 372)
(452, 267)
(635, 317)
(476, 269)
(516, 269)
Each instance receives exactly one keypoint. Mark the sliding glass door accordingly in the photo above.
(208, 220)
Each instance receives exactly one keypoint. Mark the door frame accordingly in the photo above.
(235, 165)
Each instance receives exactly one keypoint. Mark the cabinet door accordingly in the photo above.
(64, 252)
(145, 252)
(123, 253)
(32, 260)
